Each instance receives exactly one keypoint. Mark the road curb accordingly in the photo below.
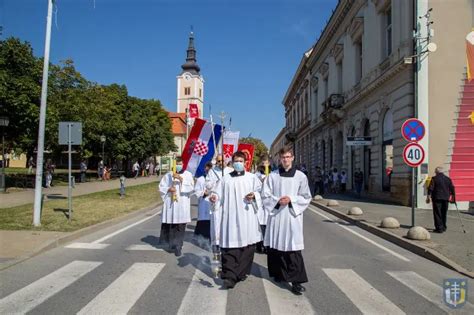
(418, 249)
(79, 233)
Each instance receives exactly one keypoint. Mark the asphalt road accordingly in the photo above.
(121, 270)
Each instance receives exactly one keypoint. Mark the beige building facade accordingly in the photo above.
(360, 79)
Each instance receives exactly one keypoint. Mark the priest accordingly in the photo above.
(238, 195)
(286, 195)
(175, 189)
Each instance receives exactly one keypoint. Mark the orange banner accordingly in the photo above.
(248, 150)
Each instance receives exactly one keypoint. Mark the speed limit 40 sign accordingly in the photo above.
(413, 154)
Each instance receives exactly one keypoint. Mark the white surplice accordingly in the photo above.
(263, 212)
(204, 183)
(239, 222)
(176, 211)
(284, 230)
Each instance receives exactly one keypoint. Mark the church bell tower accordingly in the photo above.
(190, 82)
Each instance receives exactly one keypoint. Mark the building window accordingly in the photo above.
(388, 32)
(306, 105)
(200, 92)
(315, 104)
(339, 77)
(358, 61)
(187, 91)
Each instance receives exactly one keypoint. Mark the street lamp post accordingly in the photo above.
(4, 121)
(102, 139)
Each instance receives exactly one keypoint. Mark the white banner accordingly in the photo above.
(231, 143)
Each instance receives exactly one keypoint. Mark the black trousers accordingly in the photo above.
(203, 228)
(172, 234)
(318, 188)
(260, 247)
(286, 266)
(237, 262)
(440, 210)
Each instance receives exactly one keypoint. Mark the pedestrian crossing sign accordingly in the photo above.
(455, 292)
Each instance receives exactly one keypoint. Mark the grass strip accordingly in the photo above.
(88, 209)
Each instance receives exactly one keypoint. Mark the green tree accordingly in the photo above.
(20, 90)
(260, 148)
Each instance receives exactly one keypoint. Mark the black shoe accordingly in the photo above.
(297, 288)
(177, 251)
(229, 284)
(438, 231)
(244, 278)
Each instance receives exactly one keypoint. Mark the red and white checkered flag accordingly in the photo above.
(200, 148)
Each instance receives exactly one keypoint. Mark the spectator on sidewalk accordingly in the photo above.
(343, 181)
(441, 192)
(335, 181)
(318, 182)
(100, 169)
(326, 180)
(83, 169)
(157, 169)
(31, 164)
(358, 181)
(136, 169)
(49, 168)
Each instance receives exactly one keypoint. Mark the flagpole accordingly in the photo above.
(222, 143)
(213, 136)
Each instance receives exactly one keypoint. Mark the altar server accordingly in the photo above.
(287, 195)
(238, 194)
(175, 188)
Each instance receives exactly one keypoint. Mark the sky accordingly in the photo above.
(248, 50)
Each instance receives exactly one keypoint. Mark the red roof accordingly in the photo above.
(178, 123)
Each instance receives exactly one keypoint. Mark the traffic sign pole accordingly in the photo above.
(413, 190)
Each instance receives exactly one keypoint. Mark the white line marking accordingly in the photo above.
(120, 296)
(363, 237)
(87, 246)
(365, 297)
(281, 300)
(427, 289)
(100, 240)
(27, 298)
(143, 247)
(203, 296)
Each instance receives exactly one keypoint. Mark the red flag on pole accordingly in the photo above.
(247, 149)
(193, 111)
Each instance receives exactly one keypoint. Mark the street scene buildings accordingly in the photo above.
(367, 74)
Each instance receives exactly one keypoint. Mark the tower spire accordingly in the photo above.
(191, 65)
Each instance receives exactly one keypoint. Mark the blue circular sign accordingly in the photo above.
(413, 130)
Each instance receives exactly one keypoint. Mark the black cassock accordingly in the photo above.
(203, 228)
(172, 234)
(237, 262)
(286, 266)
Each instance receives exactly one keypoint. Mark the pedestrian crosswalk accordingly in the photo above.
(204, 294)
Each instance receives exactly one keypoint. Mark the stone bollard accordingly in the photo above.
(332, 203)
(317, 197)
(390, 223)
(355, 211)
(418, 233)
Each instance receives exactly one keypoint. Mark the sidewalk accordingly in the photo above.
(453, 244)
(60, 192)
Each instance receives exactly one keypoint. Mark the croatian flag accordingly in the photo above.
(200, 147)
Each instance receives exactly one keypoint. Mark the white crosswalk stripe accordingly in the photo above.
(365, 297)
(121, 295)
(427, 289)
(204, 296)
(281, 301)
(87, 246)
(39, 291)
(146, 247)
